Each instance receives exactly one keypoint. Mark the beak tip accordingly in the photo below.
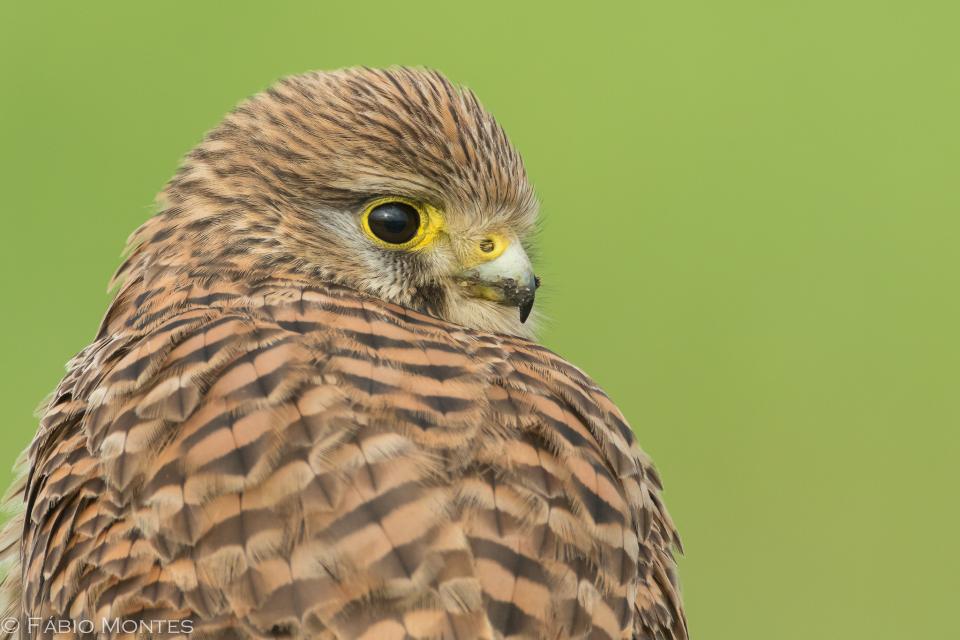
(525, 308)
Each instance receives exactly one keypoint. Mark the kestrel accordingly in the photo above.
(314, 408)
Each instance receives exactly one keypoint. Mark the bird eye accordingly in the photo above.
(395, 223)
(401, 224)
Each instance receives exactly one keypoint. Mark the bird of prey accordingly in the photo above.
(315, 409)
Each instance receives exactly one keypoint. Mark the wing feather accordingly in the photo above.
(301, 460)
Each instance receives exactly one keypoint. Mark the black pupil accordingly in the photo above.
(394, 222)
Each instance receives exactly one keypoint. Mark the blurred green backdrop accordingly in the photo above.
(752, 217)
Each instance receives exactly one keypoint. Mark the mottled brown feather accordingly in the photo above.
(267, 451)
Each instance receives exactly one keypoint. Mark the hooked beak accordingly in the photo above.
(508, 279)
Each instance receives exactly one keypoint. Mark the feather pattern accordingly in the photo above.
(281, 431)
(301, 460)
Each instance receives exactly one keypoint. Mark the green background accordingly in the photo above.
(750, 239)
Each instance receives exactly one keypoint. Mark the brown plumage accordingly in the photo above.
(287, 428)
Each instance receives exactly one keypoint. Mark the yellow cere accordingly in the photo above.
(431, 223)
(490, 247)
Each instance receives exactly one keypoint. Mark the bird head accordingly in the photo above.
(394, 182)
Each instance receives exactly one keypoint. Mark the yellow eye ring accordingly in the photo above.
(400, 224)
